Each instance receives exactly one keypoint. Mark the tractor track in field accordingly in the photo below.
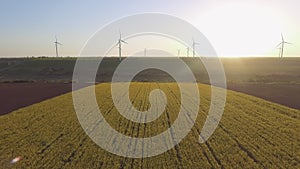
(141, 107)
(249, 153)
(176, 147)
(122, 162)
(178, 155)
(111, 107)
(51, 143)
(241, 146)
(270, 133)
(73, 153)
(198, 131)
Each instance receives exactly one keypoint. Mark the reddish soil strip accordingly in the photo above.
(17, 95)
(285, 94)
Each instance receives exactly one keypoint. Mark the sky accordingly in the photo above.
(233, 27)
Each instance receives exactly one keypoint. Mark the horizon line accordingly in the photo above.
(73, 56)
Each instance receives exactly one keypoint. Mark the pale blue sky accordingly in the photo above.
(234, 27)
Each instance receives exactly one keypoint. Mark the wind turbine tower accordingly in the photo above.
(279, 49)
(194, 45)
(187, 52)
(120, 41)
(281, 44)
(56, 46)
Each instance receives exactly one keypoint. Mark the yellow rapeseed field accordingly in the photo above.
(253, 133)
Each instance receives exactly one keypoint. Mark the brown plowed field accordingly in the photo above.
(16, 95)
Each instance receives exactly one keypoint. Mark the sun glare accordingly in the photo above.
(241, 29)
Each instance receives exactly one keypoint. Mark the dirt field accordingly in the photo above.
(16, 95)
(268, 78)
(284, 94)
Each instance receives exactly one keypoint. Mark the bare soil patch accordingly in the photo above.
(17, 95)
(285, 94)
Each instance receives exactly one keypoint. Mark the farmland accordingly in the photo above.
(238, 70)
(273, 79)
(17, 95)
(253, 133)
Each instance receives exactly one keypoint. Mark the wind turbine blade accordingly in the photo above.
(124, 41)
(282, 38)
(288, 43)
(278, 45)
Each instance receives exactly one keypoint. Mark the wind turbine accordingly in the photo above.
(56, 48)
(120, 41)
(178, 52)
(187, 51)
(194, 45)
(279, 49)
(145, 52)
(281, 44)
